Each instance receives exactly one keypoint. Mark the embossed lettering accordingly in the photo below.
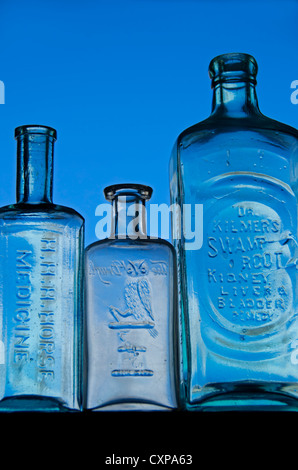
(22, 314)
(247, 273)
(46, 315)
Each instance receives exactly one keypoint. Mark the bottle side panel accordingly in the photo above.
(130, 327)
(40, 292)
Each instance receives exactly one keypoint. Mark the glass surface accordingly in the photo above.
(238, 294)
(41, 247)
(130, 313)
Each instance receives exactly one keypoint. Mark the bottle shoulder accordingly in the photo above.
(133, 258)
(41, 211)
(128, 245)
(258, 124)
(254, 147)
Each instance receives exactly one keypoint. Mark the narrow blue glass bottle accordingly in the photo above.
(41, 247)
(130, 312)
(238, 298)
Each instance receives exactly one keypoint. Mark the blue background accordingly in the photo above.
(120, 79)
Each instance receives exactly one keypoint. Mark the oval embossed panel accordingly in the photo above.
(248, 260)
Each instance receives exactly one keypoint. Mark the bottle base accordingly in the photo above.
(131, 406)
(31, 403)
(246, 396)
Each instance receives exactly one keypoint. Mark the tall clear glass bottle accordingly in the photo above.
(130, 312)
(238, 298)
(41, 246)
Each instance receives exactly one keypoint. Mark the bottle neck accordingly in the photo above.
(235, 99)
(129, 217)
(34, 168)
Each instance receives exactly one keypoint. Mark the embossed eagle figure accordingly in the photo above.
(138, 300)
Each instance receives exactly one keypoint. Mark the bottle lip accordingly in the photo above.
(233, 67)
(128, 189)
(35, 129)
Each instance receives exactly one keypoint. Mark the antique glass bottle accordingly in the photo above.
(40, 287)
(238, 296)
(130, 312)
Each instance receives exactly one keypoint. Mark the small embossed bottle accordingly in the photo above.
(238, 296)
(41, 246)
(130, 312)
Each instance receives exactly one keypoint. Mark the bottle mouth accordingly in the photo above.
(128, 189)
(35, 129)
(233, 67)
